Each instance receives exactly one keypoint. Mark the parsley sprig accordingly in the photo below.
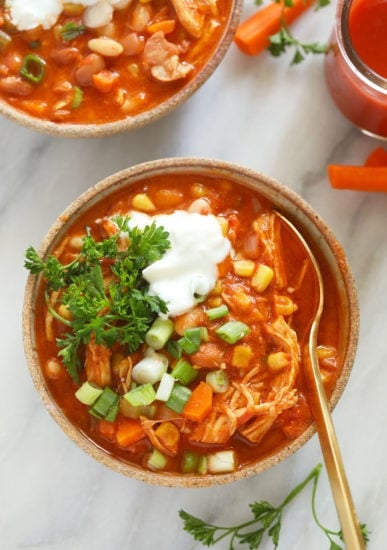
(284, 39)
(120, 311)
(267, 520)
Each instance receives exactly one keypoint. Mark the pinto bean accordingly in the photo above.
(65, 56)
(90, 65)
(15, 85)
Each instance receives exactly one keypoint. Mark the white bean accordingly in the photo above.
(105, 46)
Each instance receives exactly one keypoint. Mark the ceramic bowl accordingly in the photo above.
(99, 129)
(312, 227)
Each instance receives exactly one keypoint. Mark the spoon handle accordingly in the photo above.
(345, 507)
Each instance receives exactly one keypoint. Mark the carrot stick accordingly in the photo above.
(358, 178)
(252, 36)
(377, 157)
(199, 404)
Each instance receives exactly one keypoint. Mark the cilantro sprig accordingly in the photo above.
(104, 290)
(267, 520)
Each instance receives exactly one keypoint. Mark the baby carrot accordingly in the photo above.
(358, 178)
(252, 36)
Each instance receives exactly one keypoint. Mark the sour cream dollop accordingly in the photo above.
(28, 15)
(188, 269)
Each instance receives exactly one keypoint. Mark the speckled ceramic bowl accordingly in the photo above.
(132, 122)
(313, 228)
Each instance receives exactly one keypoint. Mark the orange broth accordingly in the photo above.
(72, 91)
(241, 207)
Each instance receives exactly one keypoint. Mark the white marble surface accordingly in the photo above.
(260, 113)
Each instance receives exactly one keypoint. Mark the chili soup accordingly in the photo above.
(98, 62)
(170, 321)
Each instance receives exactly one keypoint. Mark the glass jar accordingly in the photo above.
(359, 92)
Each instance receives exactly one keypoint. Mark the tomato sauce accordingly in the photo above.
(242, 208)
(157, 58)
(356, 64)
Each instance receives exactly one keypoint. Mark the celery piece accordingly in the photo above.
(184, 372)
(157, 461)
(141, 395)
(217, 312)
(159, 333)
(178, 398)
(232, 331)
(88, 393)
(190, 462)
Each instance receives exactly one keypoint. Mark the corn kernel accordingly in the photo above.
(242, 300)
(65, 312)
(214, 301)
(284, 305)
(325, 352)
(223, 222)
(278, 360)
(143, 202)
(244, 268)
(217, 290)
(73, 9)
(241, 356)
(262, 277)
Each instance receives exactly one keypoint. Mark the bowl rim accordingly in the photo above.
(212, 167)
(83, 130)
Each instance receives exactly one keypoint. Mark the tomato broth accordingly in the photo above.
(261, 404)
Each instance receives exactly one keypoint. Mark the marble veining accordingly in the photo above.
(262, 114)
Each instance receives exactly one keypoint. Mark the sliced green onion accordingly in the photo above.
(221, 462)
(184, 372)
(232, 331)
(142, 395)
(217, 312)
(77, 97)
(72, 30)
(178, 398)
(190, 462)
(203, 334)
(157, 460)
(113, 411)
(5, 41)
(165, 387)
(88, 393)
(105, 403)
(33, 68)
(218, 380)
(159, 333)
(191, 340)
(151, 368)
(202, 465)
(127, 410)
(175, 348)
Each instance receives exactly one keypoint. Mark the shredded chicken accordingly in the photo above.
(161, 58)
(97, 363)
(190, 16)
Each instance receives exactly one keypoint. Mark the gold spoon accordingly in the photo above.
(346, 512)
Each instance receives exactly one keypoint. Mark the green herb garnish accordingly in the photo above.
(122, 310)
(71, 30)
(266, 521)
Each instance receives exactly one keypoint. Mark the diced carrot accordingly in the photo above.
(358, 178)
(377, 157)
(107, 429)
(105, 80)
(166, 26)
(129, 431)
(199, 404)
(252, 36)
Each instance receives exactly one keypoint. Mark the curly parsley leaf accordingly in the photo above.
(104, 290)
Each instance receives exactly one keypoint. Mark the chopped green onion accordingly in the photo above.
(184, 372)
(165, 387)
(175, 348)
(191, 340)
(106, 404)
(157, 460)
(232, 331)
(5, 41)
(142, 395)
(190, 462)
(221, 462)
(202, 465)
(203, 334)
(88, 393)
(113, 411)
(72, 30)
(159, 333)
(217, 312)
(33, 68)
(127, 410)
(218, 380)
(178, 398)
(77, 97)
